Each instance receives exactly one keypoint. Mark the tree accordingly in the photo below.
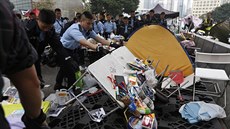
(114, 7)
(48, 4)
(221, 13)
(87, 5)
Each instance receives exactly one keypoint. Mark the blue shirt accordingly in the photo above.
(74, 34)
(110, 26)
(59, 24)
(98, 27)
(126, 28)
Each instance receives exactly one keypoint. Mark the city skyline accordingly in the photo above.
(184, 7)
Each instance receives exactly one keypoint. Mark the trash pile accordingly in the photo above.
(136, 90)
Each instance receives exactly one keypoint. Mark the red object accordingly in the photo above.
(112, 81)
(35, 11)
(177, 76)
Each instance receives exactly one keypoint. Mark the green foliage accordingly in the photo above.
(114, 7)
(47, 4)
(221, 13)
(87, 6)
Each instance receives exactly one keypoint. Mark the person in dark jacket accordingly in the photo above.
(33, 32)
(144, 20)
(47, 36)
(125, 29)
(17, 57)
(133, 21)
(119, 21)
(162, 20)
(152, 18)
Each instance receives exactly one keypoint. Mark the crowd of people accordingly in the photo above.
(105, 24)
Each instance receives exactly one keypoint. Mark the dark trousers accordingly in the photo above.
(39, 47)
(107, 35)
(81, 53)
(67, 71)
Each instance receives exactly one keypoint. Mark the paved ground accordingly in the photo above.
(49, 76)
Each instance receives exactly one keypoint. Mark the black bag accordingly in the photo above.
(49, 57)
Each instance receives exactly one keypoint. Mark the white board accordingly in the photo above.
(111, 64)
(123, 56)
(104, 67)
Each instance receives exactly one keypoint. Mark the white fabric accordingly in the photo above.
(150, 76)
(205, 112)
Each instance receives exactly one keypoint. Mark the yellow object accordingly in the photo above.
(210, 27)
(10, 108)
(206, 22)
(158, 43)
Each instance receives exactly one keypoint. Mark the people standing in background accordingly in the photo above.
(207, 24)
(102, 17)
(109, 27)
(59, 22)
(152, 18)
(68, 24)
(133, 21)
(119, 21)
(125, 29)
(144, 20)
(162, 20)
(98, 27)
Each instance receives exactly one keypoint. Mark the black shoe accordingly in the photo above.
(58, 86)
(42, 85)
(42, 82)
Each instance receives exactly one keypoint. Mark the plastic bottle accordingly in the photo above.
(144, 110)
(149, 103)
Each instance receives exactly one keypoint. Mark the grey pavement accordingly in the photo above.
(49, 76)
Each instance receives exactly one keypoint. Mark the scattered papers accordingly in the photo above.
(56, 112)
(97, 114)
(12, 93)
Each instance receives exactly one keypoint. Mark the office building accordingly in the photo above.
(69, 7)
(204, 6)
(22, 4)
(225, 1)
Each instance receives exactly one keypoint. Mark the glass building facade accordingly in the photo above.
(22, 4)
